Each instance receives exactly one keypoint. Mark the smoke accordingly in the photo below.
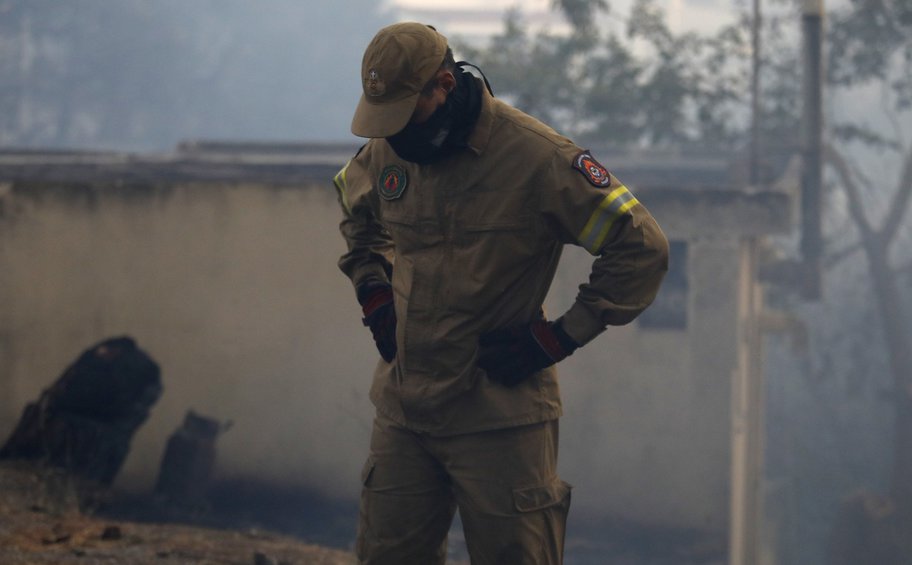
(232, 290)
(143, 75)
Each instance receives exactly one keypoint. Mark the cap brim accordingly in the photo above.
(382, 120)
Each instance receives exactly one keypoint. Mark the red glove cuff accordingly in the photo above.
(375, 299)
(547, 340)
(552, 339)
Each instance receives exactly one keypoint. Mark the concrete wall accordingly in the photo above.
(646, 429)
(234, 290)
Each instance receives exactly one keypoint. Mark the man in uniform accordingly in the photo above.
(455, 214)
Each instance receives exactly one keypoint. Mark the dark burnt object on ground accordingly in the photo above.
(189, 459)
(84, 422)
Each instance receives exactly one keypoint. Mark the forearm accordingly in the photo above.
(369, 258)
(624, 281)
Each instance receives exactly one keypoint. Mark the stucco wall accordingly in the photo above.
(647, 411)
(234, 290)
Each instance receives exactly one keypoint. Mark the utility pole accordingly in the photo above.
(745, 537)
(812, 143)
(755, 96)
(746, 521)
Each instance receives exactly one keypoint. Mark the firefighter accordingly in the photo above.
(455, 213)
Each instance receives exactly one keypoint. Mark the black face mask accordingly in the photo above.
(446, 130)
(422, 143)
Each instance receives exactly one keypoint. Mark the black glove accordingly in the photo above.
(380, 316)
(511, 355)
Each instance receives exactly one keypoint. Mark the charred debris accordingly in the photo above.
(76, 436)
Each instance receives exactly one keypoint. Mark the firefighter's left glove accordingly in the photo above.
(511, 355)
(380, 316)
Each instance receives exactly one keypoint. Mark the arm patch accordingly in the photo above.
(594, 172)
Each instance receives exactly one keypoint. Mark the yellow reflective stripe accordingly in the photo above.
(340, 183)
(597, 244)
(615, 204)
(596, 218)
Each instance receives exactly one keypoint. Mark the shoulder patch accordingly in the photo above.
(392, 182)
(594, 172)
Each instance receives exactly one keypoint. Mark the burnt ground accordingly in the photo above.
(41, 524)
(46, 518)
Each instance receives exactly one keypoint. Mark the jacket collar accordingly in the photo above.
(478, 140)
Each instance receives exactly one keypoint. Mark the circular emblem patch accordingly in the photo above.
(373, 85)
(594, 172)
(392, 182)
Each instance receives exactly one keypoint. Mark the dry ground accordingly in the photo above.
(40, 524)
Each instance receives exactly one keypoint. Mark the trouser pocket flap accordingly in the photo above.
(530, 499)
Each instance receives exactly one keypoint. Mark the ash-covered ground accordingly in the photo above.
(44, 520)
(47, 518)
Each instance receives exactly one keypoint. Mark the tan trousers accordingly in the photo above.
(512, 504)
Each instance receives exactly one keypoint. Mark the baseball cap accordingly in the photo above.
(397, 63)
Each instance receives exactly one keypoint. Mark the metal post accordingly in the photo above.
(745, 503)
(755, 96)
(748, 398)
(812, 141)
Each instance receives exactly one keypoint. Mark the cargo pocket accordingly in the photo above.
(542, 510)
(530, 499)
(536, 533)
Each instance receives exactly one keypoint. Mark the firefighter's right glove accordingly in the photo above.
(511, 355)
(380, 316)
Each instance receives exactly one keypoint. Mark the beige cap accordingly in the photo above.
(399, 61)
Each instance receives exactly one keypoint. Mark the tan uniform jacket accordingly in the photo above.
(474, 241)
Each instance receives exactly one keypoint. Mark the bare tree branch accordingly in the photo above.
(900, 202)
(836, 257)
(871, 192)
(888, 108)
(853, 192)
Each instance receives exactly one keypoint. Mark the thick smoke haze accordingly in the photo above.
(234, 289)
(137, 75)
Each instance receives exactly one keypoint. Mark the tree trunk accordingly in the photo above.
(894, 321)
(899, 349)
(84, 422)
